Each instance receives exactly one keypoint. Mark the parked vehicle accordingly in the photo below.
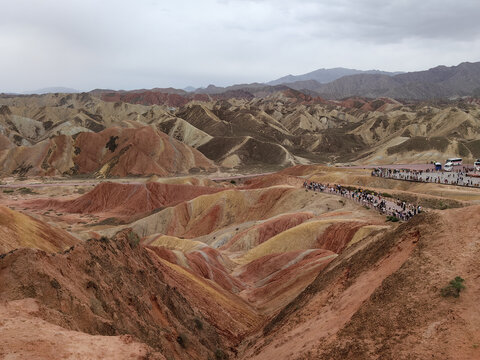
(455, 161)
(476, 164)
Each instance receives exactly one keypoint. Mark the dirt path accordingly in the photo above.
(437, 177)
(372, 201)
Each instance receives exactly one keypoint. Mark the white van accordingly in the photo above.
(448, 166)
(476, 164)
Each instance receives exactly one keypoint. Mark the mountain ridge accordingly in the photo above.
(440, 82)
(437, 82)
(324, 75)
(52, 89)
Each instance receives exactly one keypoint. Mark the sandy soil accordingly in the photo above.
(20, 338)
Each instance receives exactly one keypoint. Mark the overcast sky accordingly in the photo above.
(121, 44)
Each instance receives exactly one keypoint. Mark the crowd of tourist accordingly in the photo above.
(392, 207)
(461, 176)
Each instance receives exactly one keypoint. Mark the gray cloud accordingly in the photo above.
(147, 43)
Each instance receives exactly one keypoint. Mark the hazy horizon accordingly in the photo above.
(146, 44)
(198, 87)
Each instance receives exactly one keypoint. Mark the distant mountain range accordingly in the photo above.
(48, 90)
(435, 83)
(324, 76)
(440, 82)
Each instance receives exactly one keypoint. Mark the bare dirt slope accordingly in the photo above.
(118, 287)
(21, 338)
(126, 202)
(257, 268)
(383, 301)
(111, 152)
(18, 230)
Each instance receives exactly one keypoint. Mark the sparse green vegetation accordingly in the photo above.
(25, 190)
(453, 288)
(8, 191)
(109, 221)
(442, 206)
(220, 355)
(182, 340)
(133, 239)
(391, 218)
(55, 284)
(198, 323)
(92, 285)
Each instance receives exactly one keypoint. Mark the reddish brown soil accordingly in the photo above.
(382, 300)
(267, 230)
(24, 335)
(285, 280)
(203, 263)
(112, 152)
(206, 263)
(142, 151)
(116, 287)
(366, 105)
(330, 301)
(217, 212)
(407, 317)
(267, 265)
(301, 98)
(378, 298)
(126, 201)
(337, 236)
